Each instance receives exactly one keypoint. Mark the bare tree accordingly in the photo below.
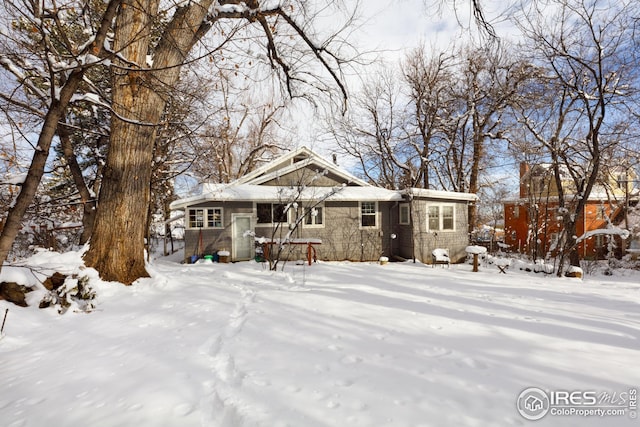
(429, 78)
(374, 132)
(583, 48)
(489, 80)
(140, 89)
(244, 133)
(55, 74)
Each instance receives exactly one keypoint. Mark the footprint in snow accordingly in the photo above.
(434, 352)
(332, 404)
(224, 366)
(351, 359)
(472, 363)
(343, 383)
(212, 346)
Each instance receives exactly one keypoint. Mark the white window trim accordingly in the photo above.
(441, 218)
(408, 207)
(324, 217)
(377, 217)
(205, 218)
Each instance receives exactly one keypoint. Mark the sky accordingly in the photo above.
(389, 29)
(396, 26)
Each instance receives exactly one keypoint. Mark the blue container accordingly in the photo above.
(193, 259)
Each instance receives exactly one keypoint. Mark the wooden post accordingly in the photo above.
(4, 320)
(475, 263)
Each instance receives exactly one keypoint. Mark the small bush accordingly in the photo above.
(75, 293)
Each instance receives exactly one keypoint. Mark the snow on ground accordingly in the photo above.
(334, 344)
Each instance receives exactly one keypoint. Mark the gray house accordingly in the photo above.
(309, 203)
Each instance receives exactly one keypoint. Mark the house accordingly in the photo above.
(533, 221)
(344, 217)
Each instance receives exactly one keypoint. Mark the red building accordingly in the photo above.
(533, 222)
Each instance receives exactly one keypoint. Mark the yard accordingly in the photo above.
(334, 344)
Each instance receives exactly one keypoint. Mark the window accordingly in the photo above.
(205, 218)
(368, 214)
(196, 218)
(447, 217)
(516, 211)
(622, 180)
(264, 213)
(214, 218)
(434, 218)
(269, 213)
(601, 212)
(404, 214)
(537, 185)
(314, 217)
(441, 217)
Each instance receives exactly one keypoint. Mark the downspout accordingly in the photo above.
(412, 234)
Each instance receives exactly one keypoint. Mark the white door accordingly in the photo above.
(242, 241)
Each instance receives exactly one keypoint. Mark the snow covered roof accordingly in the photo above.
(440, 194)
(266, 193)
(251, 186)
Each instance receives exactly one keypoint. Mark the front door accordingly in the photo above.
(242, 241)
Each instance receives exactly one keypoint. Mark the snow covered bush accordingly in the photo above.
(73, 293)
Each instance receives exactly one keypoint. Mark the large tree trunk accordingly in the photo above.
(117, 244)
(139, 97)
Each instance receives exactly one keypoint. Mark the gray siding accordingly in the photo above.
(305, 176)
(426, 241)
(216, 239)
(342, 237)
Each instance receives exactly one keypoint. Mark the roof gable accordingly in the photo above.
(319, 178)
(295, 161)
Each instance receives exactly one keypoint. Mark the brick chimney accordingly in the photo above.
(524, 169)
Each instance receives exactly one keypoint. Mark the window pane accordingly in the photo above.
(404, 214)
(279, 214)
(368, 208)
(368, 214)
(196, 218)
(313, 216)
(264, 213)
(368, 220)
(214, 218)
(434, 218)
(447, 217)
